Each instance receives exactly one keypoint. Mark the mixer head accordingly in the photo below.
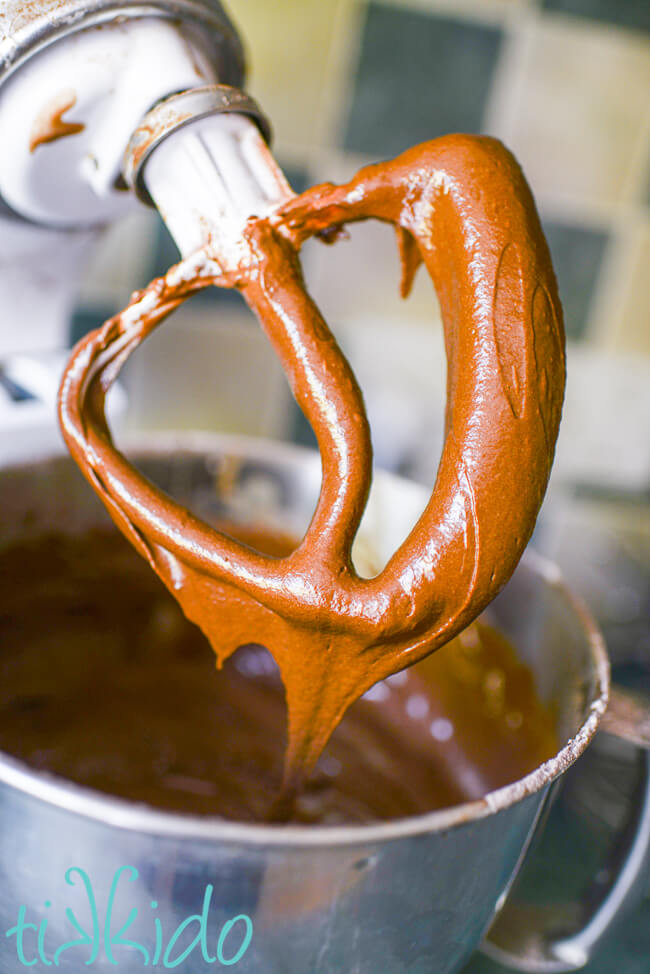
(97, 66)
(80, 80)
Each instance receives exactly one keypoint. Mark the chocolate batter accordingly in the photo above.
(107, 684)
(49, 125)
(460, 204)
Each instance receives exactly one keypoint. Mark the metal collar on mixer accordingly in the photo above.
(109, 62)
(176, 112)
(28, 28)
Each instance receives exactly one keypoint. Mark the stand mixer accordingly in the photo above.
(200, 155)
(103, 103)
(82, 142)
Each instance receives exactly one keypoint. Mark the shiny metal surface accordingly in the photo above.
(410, 896)
(28, 26)
(628, 717)
(600, 819)
(176, 112)
(118, 58)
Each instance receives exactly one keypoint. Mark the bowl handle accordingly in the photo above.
(545, 940)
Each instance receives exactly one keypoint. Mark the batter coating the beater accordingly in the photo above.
(461, 206)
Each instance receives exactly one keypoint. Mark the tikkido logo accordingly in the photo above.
(103, 936)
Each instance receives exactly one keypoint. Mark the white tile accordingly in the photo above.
(360, 276)
(623, 315)
(604, 432)
(573, 108)
(292, 49)
(208, 369)
(121, 260)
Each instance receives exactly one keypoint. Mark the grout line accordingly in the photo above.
(340, 76)
(634, 186)
(506, 92)
(606, 324)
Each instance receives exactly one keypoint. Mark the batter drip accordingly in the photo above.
(461, 206)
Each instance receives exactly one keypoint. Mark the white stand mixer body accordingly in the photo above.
(111, 62)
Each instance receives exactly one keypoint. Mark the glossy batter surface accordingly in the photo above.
(107, 684)
(461, 206)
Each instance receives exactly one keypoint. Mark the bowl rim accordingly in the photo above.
(122, 814)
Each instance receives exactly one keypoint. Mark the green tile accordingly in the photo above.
(87, 318)
(419, 76)
(634, 14)
(298, 178)
(577, 254)
(299, 429)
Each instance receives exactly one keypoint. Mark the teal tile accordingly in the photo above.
(87, 318)
(577, 254)
(298, 178)
(299, 429)
(419, 76)
(634, 14)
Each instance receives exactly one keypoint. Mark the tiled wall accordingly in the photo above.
(564, 83)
